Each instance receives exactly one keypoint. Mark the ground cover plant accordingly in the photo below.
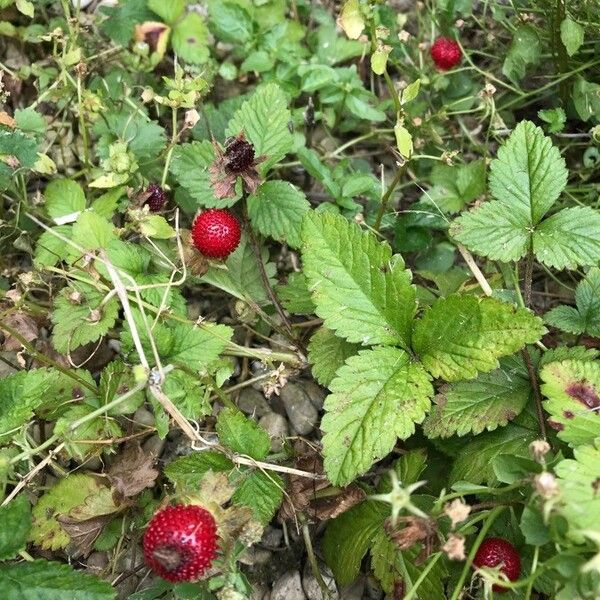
(300, 299)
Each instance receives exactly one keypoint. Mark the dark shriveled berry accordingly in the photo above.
(239, 155)
(157, 197)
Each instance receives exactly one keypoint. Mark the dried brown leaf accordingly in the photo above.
(83, 534)
(24, 325)
(132, 472)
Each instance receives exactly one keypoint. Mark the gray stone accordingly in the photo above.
(272, 537)
(356, 591)
(154, 445)
(311, 586)
(315, 392)
(302, 414)
(143, 416)
(288, 587)
(277, 428)
(252, 402)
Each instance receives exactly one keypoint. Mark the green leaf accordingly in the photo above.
(377, 397)
(586, 317)
(122, 19)
(555, 117)
(21, 152)
(262, 492)
(81, 316)
(189, 166)
(314, 166)
(30, 121)
(362, 292)
(360, 107)
(295, 295)
(586, 98)
(51, 249)
(524, 51)
(348, 538)
(188, 471)
(572, 389)
(44, 580)
(491, 400)
(107, 204)
(170, 11)
(230, 22)
(188, 394)
(578, 483)
(569, 238)
(277, 209)
(571, 35)
(21, 393)
(15, 523)
(529, 173)
(91, 232)
(410, 466)
(25, 7)
(474, 460)
(156, 226)
(242, 278)
(351, 19)
(190, 39)
(461, 335)
(242, 434)
(327, 353)
(456, 186)
(264, 118)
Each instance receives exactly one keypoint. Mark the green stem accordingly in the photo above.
(387, 195)
(424, 573)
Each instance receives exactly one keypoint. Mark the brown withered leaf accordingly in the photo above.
(24, 325)
(132, 472)
(302, 493)
(83, 534)
(6, 119)
(414, 530)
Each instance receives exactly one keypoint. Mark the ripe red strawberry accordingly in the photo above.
(445, 53)
(157, 197)
(216, 233)
(495, 551)
(180, 542)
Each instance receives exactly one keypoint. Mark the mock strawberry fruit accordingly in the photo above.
(180, 542)
(497, 551)
(156, 197)
(216, 233)
(445, 53)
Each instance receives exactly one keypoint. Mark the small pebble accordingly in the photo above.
(252, 402)
(302, 414)
(288, 587)
(311, 585)
(277, 428)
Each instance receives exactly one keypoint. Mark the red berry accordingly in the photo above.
(445, 53)
(157, 197)
(495, 551)
(216, 233)
(180, 542)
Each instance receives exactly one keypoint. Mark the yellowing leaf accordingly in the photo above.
(379, 60)
(351, 20)
(404, 140)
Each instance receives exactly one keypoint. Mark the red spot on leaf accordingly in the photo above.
(555, 425)
(584, 393)
(568, 414)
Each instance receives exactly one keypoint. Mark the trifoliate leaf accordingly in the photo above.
(51, 581)
(15, 523)
(277, 209)
(571, 35)
(461, 335)
(578, 483)
(262, 492)
(362, 292)
(569, 238)
(572, 389)
(242, 434)
(242, 277)
(377, 397)
(64, 200)
(491, 400)
(21, 393)
(190, 39)
(81, 315)
(327, 353)
(264, 118)
(586, 317)
(474, 461)
(349, 537)
(295, 295)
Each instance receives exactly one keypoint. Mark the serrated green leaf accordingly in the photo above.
(122, 19)
(555, 117)
(572, 389)
(377, 397)
(262, 492)
(578, 482)
(242, 277)
(277, 209)
(349, 537)
(188, 471)
(264, 118)
(569, 238)
(529, 173)
(51, 249)
(457, 185)
(170, 11)
(491, 400)
(461, 335)
(571, 35)
(242, 435)
(15, 523)
(188, 394)
(30, 121)
(362, 292)
(44, 580)
(327, 353)
(561, 353)
(584, 318)
(82, 320)
(295, 295)
(21, 393)
(190, 39)
(474, 460)
(116, 379)
(230, 21)
(523, 51)
(91, 232)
